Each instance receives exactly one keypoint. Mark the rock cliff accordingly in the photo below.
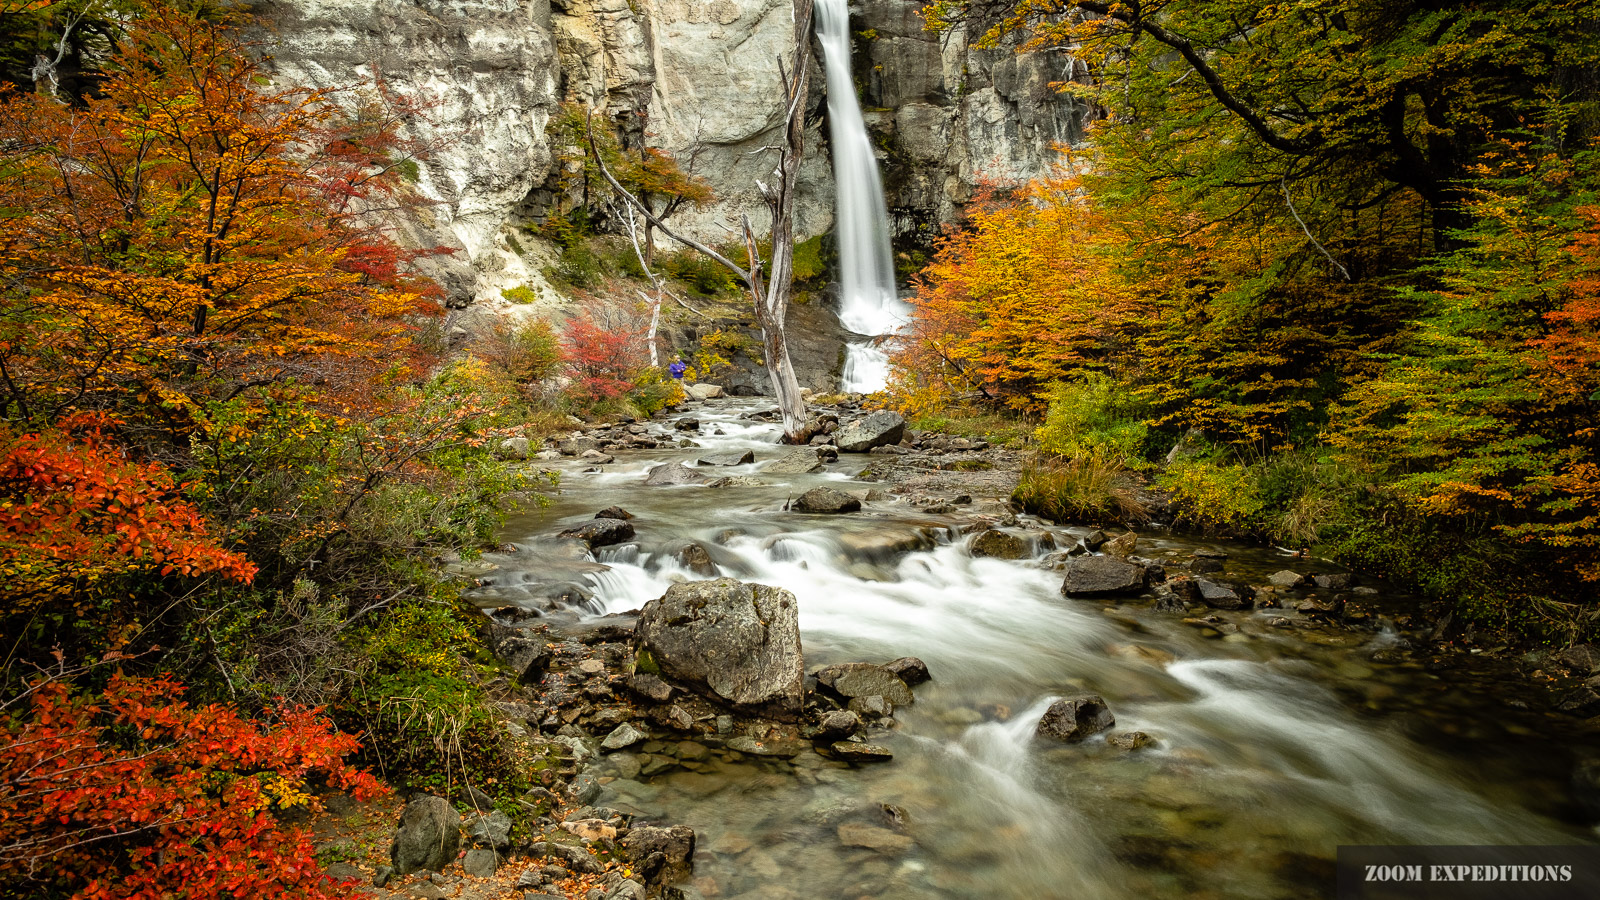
(696, 77)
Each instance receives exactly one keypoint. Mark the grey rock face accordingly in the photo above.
(673, 473)
(1070, 721)
(1220, 596)
(492, 831)
(826, 500)
(661, 854)
(1287, 579)
(480, 863)
(601, 532)
(1102, 576)
(877, 429)
(796, 462)
(733, 642)
(865, 680)
(428, 837)
(728, 459)
(911, 670)
(999, 545)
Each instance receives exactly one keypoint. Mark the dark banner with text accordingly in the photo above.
(1469, 873)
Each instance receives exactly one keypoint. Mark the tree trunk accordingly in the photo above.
(769, 294)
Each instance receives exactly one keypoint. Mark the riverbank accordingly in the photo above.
(1315, 716)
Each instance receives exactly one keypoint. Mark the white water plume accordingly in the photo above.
(868, 304)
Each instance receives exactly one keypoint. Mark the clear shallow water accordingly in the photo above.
(1272, 749)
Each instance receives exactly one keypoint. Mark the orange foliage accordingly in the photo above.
(191, 232)
(1025, 295)
(72, 516)
(139, 796)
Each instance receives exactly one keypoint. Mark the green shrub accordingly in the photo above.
(1085, 489)
(808, 260)
(1093, 416)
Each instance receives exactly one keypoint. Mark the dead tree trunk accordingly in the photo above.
(768, 291)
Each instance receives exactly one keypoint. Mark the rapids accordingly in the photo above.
(1273, 747)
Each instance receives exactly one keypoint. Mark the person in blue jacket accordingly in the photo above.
(677, 368)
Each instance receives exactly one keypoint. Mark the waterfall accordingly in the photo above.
(868, 306)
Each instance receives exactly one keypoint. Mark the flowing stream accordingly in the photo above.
(868, 305)
(1273, 746)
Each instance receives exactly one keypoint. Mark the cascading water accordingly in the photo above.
(868, 305)
(1270, 749)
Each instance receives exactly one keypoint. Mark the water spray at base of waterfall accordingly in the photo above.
(868, 304)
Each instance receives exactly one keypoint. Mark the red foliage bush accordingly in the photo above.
(603, 357)
(136, 795)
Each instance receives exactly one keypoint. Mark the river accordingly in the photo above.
(1273, 745)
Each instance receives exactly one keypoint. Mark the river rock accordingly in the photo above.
(526, 654)
(480, 862)
(795, 462)
(597, 457)
(872, 837)
(1583, 658)
(660, 855)
(1130, 740)
(1288, 579)
(1101, 576)
(727, 459)
(428, 837)
(1338, 581)
(1583, 700)
(673, 473)
(515, 448)
(622, 737)
(826, 500)
(1071, 720)
(874, 708)
(865, 680)
(911, 670)
(855, 751)
(1121, 546)
(837, 725)
(1094, 540)
(702, 391)
(1220, 596)
(878, 429)
(571, 856)
(601, 532)
(613, 512)
(492, 831)
(685, 425)
(734, 642)
(1201, 565)
(998, 545)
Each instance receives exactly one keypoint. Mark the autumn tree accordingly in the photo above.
(188, 234)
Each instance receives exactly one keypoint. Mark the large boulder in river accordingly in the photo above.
(728, 459)
(1102, 576)
(428, 837)
(1218, 595)
(733, 642)
(661, 854)
(852, 680)
(601, 532)
(703, 391)
(1075, 718)
(826, 500)
(877, 429)
(797, 462)
(674, 473)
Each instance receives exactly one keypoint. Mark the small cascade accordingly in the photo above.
(869, 305)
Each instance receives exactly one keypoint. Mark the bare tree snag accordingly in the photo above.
(768, 291)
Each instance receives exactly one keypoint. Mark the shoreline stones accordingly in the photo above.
(860, 680)
(878, 429)
(1102, 576)
(428, 836)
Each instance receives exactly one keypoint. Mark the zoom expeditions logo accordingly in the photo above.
(1469, 873)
